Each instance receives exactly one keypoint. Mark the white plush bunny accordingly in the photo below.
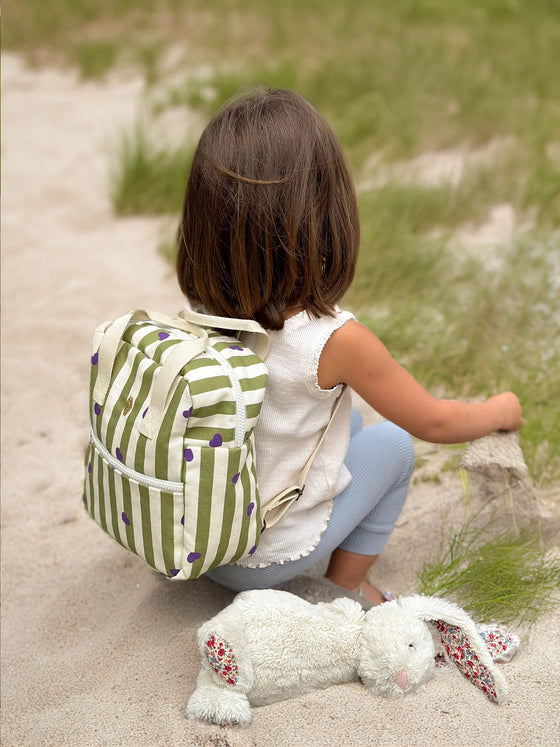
(271, 645)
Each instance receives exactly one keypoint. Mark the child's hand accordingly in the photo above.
(508, 411)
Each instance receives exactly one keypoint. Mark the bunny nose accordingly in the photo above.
(402, 679)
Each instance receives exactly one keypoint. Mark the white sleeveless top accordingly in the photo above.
(294, 414)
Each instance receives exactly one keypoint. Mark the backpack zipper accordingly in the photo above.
(151, 482)
(241, 418)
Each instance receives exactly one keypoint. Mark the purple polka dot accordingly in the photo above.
(188, 455)
(145, 411)
(89, 468)
(119, 455)
(252, 550)
(187, 413)
(193, 556)
(97, 409)
(235, 478)
(163, 335)
(236, 347)
(216, 440)
(183, 520)
(174, 571)
(94, 359)
(250, 508)
(125, 518)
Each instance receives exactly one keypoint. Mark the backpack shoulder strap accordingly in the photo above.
(277, 507)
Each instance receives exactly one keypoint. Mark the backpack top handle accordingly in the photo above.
(262, 343)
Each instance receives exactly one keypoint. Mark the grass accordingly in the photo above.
(396, 80)
(505, 579)
(149, 178)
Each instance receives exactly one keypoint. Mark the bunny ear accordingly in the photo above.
(470, 659)
(462, 643)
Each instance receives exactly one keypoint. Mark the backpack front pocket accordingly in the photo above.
(142, 514)
(180, 529)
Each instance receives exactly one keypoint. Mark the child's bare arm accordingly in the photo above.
(355, 355)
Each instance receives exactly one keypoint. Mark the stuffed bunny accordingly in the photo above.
(271, 645)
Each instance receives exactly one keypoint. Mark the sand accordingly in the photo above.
(97, 649)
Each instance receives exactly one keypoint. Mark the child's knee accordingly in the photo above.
(402, 445)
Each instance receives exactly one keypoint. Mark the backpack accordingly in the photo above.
(170, 468)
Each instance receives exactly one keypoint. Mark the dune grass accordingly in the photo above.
(396, 80)
(149, 178)
(505, 579)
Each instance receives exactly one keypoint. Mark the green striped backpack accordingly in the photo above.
(170, 468)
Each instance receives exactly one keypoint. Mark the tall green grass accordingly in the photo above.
(149, 178)
(505, 579)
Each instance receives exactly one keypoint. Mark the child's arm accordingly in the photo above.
(355, 356)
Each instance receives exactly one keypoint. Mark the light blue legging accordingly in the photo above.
(380, 460)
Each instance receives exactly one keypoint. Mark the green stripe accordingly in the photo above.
(161, 348)
(140, 454)
(163, 441)
(224, 407)
(205, 493)
(234, 460)
(167, 531)
(127, 507)
(247, 498)
(250, 385)
(88, 480)
(92, 379)
(118, 407)
(204, 434)
(101, 493)
(113, 505)
(246, 361)
(253, 411)
(139, 404)
(150, 338)
(133, 330)
(198, 363)
(209, 384)
(144, 494)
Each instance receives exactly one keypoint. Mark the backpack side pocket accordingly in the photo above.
(222, 506)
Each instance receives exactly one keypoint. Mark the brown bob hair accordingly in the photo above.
(270, 220)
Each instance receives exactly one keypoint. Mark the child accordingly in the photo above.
(270, 232)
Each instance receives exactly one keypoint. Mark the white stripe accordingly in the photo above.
(107, 502)
(211, 371)
(178, 513)
(136, 519)
(191, 508)
(120, 509)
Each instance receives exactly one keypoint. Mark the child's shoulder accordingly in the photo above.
(343, 350)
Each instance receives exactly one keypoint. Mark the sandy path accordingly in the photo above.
(96, 649)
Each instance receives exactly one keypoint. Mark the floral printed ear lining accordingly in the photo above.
(460, 651)
(222, 659)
